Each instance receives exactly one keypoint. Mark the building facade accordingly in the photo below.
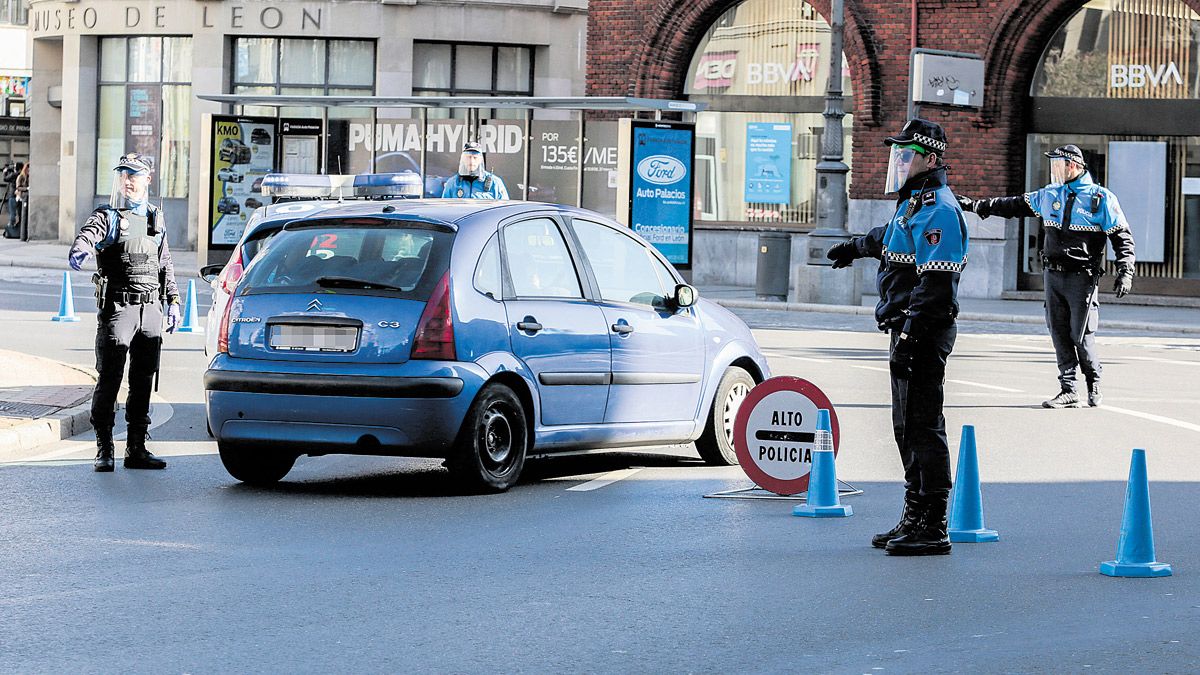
(111, 76)
(1119, 78)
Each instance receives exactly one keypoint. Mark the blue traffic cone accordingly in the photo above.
(1135, 550)
(822, 499)
(66, 302)
(191, 323)
(966, 511)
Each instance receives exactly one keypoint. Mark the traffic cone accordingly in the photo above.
(191, 323)
(1135, 550)
(966, 511)
(822, 499)
(66, 302)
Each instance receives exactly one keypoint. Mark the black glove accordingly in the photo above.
(904, 355)
(966, 203)
(1124, 281)
(843, 254)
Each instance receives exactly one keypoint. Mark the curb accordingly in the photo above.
(50, 429)
(965, 316)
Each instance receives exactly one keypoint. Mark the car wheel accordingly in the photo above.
(490, 450)
(256, 467)
(716, 443)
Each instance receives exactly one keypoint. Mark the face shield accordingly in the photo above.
(470, 165)
(900, 167)
(129, 188)
(1062, 170)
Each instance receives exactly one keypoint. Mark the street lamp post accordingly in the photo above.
(825, 284)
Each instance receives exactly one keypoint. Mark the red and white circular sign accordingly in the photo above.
(774, 433)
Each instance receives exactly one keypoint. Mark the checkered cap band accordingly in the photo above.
(940, 146)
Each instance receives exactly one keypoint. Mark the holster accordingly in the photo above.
(101, 283)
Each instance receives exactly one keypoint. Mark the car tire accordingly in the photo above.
(490, 450)
(715, 445)
(255, 467)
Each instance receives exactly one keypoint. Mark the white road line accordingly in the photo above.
(800, 358)
(878, 370)
(986, 386)
(1013, 345)
(607, 479)
(1160, 360)
(1153, 418)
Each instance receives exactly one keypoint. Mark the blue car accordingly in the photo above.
(478, 332)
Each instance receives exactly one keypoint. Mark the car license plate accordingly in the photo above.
(313, 338)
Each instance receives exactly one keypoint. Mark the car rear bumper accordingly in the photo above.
(416, 413)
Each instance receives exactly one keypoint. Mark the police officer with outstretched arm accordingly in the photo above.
(1078, 216)
(922, 251)
(134, 281)
(473, 181)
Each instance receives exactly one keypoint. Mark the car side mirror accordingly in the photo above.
(685, 296)
(209, 273)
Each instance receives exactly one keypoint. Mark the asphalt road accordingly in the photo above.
(370, 564)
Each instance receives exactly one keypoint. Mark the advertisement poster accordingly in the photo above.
(242, 153)
(554, 166)
(143, 122)
(600, 167)
(443, 145)
(300, 145)
(504, 153)
(660, 204)
(768, 163)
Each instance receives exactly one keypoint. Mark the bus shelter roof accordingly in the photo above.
(510, 102)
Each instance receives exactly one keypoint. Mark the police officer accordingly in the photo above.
(135, 278)
(473, 180)
(922, 251)
(1078, 215)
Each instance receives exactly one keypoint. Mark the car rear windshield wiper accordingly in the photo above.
(350, 282)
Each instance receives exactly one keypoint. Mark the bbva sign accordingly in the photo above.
(1137, 76)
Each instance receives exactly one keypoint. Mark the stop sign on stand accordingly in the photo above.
(774, 433)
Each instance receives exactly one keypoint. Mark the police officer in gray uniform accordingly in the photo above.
(922, 252)
(134, 281)
(1078, 216)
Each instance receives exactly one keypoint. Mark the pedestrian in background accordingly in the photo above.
(473, 180)
(1079, 216)
(922, 251)
(21, 188)
(10, 200)
(135, 279)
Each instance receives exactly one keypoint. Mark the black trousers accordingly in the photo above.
(126, 330)
(1072, 316)
(917, 418)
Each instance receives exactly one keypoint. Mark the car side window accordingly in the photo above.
(487, 272)
(539, 263)
(624, 268)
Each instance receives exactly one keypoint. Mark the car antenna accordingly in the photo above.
(341, 192)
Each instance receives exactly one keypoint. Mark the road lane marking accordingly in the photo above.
(1013, 345)
(1153, 418)
(986, 386)
(607, 479)
(800, 358)
(878, 370)
(1160, 360)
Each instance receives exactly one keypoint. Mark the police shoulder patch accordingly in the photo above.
(928, 198)
(933, 237)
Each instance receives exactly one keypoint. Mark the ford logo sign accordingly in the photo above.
(661, 170)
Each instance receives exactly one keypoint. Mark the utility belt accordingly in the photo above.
(105, 295)
(1072, 269)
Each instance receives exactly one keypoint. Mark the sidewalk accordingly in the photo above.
(41, 401)
(53, 256)
(1122, 316)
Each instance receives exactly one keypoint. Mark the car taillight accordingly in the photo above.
(435, 330)
(223, 333)
(232, 274)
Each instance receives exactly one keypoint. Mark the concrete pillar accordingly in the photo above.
(77, 167)
(45, 133)
(208, 77)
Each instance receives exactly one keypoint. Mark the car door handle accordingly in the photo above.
(529, 326)
(622, 328)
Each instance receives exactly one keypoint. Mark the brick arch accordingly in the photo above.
(672, 35)
(1024, 28)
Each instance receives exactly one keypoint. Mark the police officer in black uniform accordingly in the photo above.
(135, 279)
(1078, 216)
(922, 251)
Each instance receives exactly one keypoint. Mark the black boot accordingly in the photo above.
(136, 454)
(104, 451)
(907, 520)
(928, 536)
(1095, 398)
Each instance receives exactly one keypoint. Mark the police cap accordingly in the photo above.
(135, 163)
(1071, 152)
(928, 135)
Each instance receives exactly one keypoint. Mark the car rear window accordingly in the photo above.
(360, 256)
